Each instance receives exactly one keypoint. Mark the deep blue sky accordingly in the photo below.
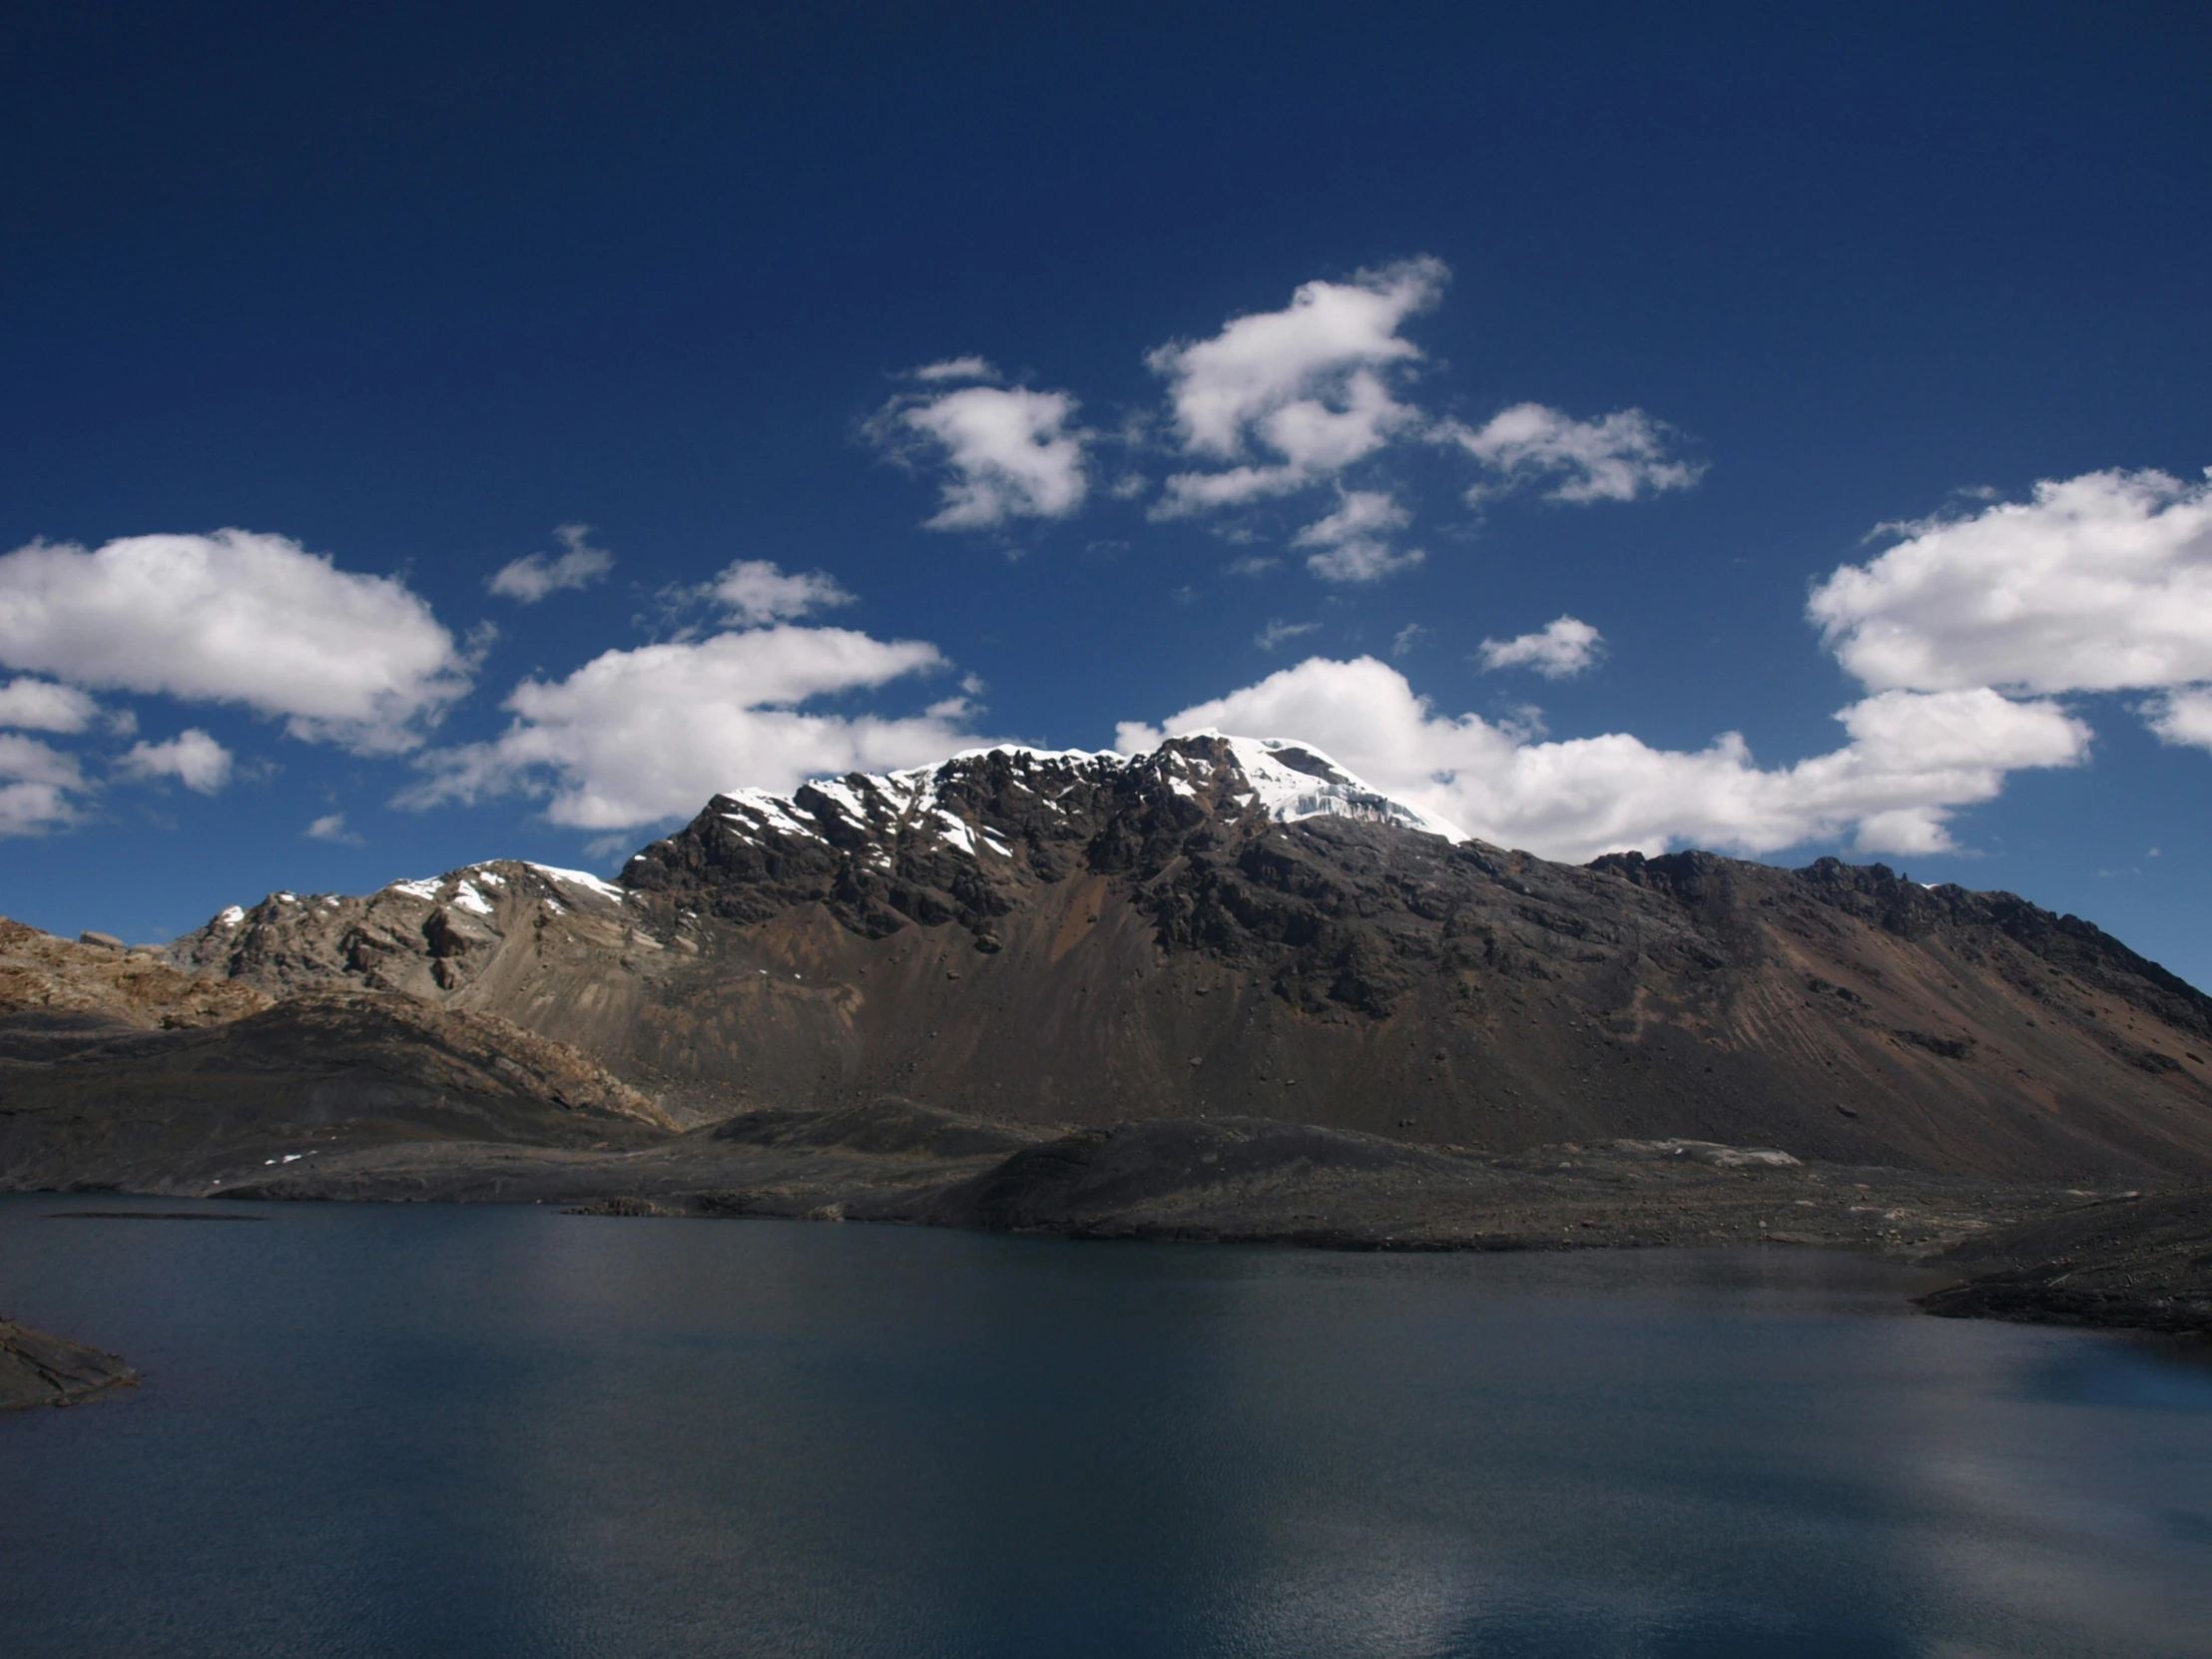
(414, 285)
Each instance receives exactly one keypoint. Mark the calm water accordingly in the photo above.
(430, 1430)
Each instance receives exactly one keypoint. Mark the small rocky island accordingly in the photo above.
(37, 1369)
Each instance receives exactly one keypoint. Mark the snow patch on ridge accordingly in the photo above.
(1295, 780)
(583, 878)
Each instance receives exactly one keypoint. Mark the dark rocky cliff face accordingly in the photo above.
(1088, 939)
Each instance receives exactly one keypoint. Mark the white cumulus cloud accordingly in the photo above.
(636, 737)
(1561, 649)
(533, 577)
(192, 757)
(2101, 582)
(1296, 396)
(2182, 717)
(1616, 457)
(42, 706)
(235, 617)
(1910, 761)
(1009, 452)
(1353, 544)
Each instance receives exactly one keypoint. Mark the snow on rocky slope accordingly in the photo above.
(927, 844)
(1280, 779)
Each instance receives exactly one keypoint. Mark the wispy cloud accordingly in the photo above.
(532, 578)
(1277, 631)
(1291, 397)
(1353, 544)
(1559, 650)
(1617, 457)
(956, 368)
(331, 828)
(756, 591)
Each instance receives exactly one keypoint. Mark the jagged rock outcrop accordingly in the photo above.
(56, 995)
(1227, 926)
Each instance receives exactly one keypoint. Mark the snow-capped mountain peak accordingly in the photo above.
(1285, 778)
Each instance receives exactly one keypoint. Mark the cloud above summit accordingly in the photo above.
(1910, 761)
(640, 736)
(1966, 634)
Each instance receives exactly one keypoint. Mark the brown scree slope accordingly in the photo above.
(123, 1072)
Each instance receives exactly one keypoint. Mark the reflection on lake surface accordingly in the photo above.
(429, 1430)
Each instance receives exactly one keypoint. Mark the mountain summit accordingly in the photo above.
(1238, 926)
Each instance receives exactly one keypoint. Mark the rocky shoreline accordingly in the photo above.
(1264, 1180)
(2019, 1250)
(2143, 1263)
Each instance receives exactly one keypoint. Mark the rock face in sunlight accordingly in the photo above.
(1233, 926)
(127, 1073)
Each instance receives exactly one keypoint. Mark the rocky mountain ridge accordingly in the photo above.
(1230, 925)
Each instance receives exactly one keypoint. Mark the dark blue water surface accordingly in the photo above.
(389, 1431)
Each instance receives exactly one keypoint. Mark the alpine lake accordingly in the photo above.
(400, 1429)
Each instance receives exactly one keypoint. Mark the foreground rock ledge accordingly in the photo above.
(38, 1368)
